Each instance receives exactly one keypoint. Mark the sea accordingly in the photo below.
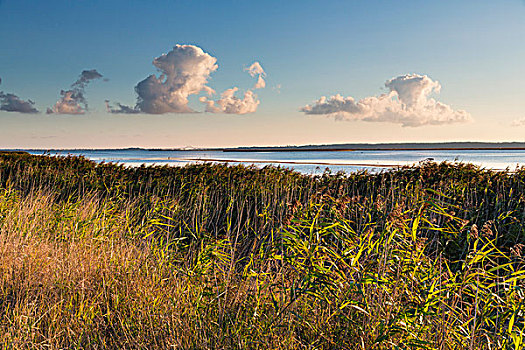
(307, 162)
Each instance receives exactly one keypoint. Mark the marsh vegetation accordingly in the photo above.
(215, 256)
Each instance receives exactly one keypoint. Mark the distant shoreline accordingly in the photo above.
(395, 146)
(375, 149)
(346, 147)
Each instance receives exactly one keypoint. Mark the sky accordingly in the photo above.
(161, 74)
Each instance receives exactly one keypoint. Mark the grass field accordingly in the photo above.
(220, 257)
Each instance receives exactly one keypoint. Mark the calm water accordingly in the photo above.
(306, 162)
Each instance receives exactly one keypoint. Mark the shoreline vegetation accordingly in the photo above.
(251, 161)
(211, 256)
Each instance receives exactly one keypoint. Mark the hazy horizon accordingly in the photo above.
(320, 147)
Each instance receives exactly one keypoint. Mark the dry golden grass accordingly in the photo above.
(71, 275)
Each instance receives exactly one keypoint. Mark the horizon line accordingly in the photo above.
(486, 145)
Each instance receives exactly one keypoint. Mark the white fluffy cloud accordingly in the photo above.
(73, 101)
(69, 103)
(257, 70)
(408, 103)
(260, 84)
(229, 103)
(184, 71)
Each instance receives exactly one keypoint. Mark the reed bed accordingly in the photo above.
(222, 257)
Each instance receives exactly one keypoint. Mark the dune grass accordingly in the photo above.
(220, 257)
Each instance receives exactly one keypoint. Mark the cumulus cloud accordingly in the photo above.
(12, 103)
(257, 70)
(229, 103)
(260, 84)
(73, 100)
(184, 71)
(408, 103)
(68, 104)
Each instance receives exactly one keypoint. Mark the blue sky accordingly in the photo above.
(309, 48)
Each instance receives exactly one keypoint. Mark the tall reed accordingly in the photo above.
(213, 256)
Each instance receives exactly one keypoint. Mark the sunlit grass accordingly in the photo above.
(212, 256)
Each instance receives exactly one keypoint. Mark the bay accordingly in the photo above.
(308, 162)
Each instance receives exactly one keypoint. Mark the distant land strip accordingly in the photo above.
(373, 149)
(348, 147)
(446, 146)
